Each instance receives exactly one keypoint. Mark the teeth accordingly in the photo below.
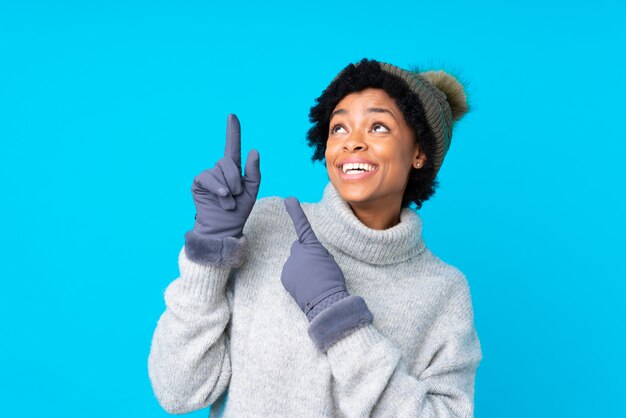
(356, 166)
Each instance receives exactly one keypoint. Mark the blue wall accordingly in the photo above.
(108, 111)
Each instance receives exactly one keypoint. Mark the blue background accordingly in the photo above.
(109, 110)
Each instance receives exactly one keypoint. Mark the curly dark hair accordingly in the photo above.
(368, 74)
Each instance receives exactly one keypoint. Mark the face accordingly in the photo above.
(370, 150)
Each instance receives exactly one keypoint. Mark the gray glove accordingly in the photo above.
(316, 283)
(223, 201)
(310, 274)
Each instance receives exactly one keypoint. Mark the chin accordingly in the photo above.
(367, 194)
(353, 193)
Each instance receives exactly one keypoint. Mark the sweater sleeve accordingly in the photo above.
(189, 361)
(374, 380)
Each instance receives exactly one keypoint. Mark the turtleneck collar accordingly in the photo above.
(336, 225)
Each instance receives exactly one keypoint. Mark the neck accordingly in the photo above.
(338, 228)
(381, 216)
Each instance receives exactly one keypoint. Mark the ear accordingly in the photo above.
(419, 159)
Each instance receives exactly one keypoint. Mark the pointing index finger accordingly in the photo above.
(233, 140)
(300, 222)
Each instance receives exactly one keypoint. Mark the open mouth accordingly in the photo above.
(357, 168)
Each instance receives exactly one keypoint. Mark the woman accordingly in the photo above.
(335, 308)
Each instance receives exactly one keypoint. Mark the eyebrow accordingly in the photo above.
(338, 112)
(381, 110)
(370, 109)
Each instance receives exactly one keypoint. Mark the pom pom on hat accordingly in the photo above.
(452, 88)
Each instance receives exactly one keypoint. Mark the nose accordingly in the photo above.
(354, 143)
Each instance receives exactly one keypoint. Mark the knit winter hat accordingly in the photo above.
(444, 101)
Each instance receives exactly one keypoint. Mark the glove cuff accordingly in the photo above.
(214, 251)
(325, 303)
(339, 320)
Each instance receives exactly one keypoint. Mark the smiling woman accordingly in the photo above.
(427, 104)
(390, 325)
(367, 127)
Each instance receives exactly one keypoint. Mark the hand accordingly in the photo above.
(310, 274)
(222, 197)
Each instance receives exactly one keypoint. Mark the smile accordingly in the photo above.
(356, 171)
(355, 168)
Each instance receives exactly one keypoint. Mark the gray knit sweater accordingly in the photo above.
(235, 339)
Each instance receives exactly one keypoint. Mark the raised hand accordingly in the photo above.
(310, 274)
(223, 198)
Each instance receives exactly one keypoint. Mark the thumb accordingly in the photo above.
(300, 222)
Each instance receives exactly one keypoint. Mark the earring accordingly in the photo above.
(418, 165)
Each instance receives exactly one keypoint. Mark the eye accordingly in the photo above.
(338, 129)
(379, 127)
